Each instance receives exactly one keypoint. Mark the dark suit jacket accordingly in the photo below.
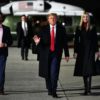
(20, 34)
(7, 38)
(60, 44)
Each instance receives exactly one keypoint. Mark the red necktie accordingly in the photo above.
(52, 48)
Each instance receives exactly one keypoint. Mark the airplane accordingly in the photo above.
(40, 7)
(23, 6)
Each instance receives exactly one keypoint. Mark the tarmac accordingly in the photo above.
(23, 83)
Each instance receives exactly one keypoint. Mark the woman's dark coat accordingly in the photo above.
(85, 45)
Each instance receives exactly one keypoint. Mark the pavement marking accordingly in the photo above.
(63, 90)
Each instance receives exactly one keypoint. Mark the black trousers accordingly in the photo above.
(24, 52)
(87, 83)
(24, 49)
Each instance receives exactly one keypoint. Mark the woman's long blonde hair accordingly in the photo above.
(81, 21)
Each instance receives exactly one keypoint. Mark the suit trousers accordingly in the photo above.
(24, 52)
(24, 49)
(51, 82)
(2, 71)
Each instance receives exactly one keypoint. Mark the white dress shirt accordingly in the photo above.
(1, 33)
(24, 27)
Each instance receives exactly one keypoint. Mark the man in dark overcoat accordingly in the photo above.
(24, 36)
(51, 49)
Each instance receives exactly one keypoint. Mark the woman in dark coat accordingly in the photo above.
(85, 50)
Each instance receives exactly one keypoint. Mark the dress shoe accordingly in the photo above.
(54, 95)
(49, 93)
(87, 93)
(22, 58)
(26, 58)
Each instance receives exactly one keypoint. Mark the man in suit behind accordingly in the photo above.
(24, 33)
(5, 41)
(52, 41)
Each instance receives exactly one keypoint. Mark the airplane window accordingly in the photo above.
(30, 3)
(41, 4)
